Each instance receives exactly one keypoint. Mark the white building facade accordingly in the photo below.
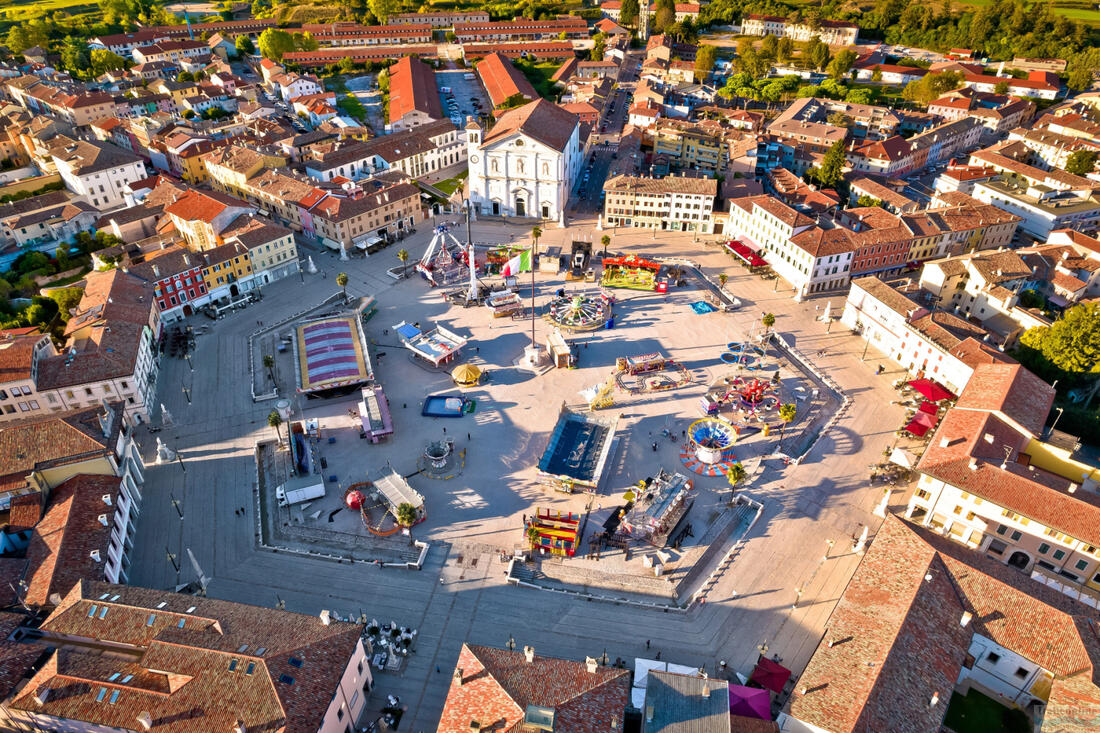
(526, 165)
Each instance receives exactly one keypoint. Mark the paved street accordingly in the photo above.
(827, 497)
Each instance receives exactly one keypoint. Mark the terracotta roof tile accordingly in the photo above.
(544, 121)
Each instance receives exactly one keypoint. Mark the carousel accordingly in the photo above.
(580, 312)
(709, 450)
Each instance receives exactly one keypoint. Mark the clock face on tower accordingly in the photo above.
(473, 159)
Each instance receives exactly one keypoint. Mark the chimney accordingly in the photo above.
(145, 720)
(107, 499)
(41, 695)
(945, 441)
(935, 700)
(591, 664)
(186, 259)
(1072, 488)
(965, 620)
(156, 270)
(457, 676)
(973, 465)
(238, 727)
(529, 653)
(326, 617)
(94, 554)
(103, 519)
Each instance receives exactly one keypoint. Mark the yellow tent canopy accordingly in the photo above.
(466, 375)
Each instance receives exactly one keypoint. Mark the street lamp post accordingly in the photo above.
(179, 458)
(187, 394)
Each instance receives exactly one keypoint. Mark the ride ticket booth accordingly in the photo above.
(562, 354)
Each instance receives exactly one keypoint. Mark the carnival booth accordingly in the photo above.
(630, 272)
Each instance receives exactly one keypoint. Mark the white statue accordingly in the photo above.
(310, 267)
(343, 252)
(164, 453)
(861, 543)
(165, 416)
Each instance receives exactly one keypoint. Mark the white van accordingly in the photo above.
(445, 90)
(469, 76)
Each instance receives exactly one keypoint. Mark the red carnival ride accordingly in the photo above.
(553, 533)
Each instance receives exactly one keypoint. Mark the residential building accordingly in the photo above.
(372, 210)
(544, 50)
(272, 253)
(522, 29)
(342, 33)
(97, 171)
(897, 156)
(832, 32)
(227, 270)
(699, 146)
(888, 73)
(963, 178)
(526, 165)
(442, 19)
(176, 276)
(690, 703)
(1051, 149)
(228, 169)
(503, 82)
(414, 98)
(288, 200)
(673, 203)
(45, 229)
(177, 51)
(419, 152)
(86, 533)
(936, 344)
(514, 690)
(76, 107)
(123, 44)
(201, 216)
(684, 11)
(1039, 84)
(361, 55)
(1042, 209)
(180, 662)
(252, 28)
(889, 197)
(96, 440)
(982, 626)
(109, 353)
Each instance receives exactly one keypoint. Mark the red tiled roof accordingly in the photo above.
(502, 80)
(1012, 390)
(498, 685)
(897, 638)
(15, 355)
(541, 120)
(412, 87)
(60, 550)
(184, 677)
(204, 206)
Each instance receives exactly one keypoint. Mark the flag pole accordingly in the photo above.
(533, 293)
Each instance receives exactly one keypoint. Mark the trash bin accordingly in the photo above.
(610, 323)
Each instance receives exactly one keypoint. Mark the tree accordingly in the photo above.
(75, 54)
(841, 63)
(931, 86)
(598, 47)
(103, 61)
(784, 50)
(274, 421)
(818, 53)
(244, 45)
(769, 47)
(342, 281)
(406, 514)
(1000, 87)
(722, 279)
(831, 171)
(532, 536)
(768, 319)
(876, 73)
(305, 42)
(860, 96)
(274, 43)
(269, 365)
(383, 9)
(1072, 343)
(17, 39)
(705, 57)
(735, 474)
(605, 241)
(536, 232)
(66, 299)
(1081, 162)
(403, 255)
(384, 81)
(628, 12)
(787, 414)
(664, 15)
(866, 200)
(838, 119)
(185, 76)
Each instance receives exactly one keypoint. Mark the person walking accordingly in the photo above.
(647, 645)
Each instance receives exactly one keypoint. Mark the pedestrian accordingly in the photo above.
(658, 655)
(654, 446)
(647, 644)
(438, 670)
(468, 438)
(242, 511)
(444, 430)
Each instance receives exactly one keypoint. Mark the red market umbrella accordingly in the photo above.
(770, 675)
(930, 390)
(929, 407)
(750, 702)
(921, 423)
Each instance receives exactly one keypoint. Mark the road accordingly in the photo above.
(779, 590)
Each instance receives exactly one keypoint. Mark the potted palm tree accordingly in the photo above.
(787, 414)
(406, 514)
(342, 281)
(403, 255)
(735, 474)
(274, 421)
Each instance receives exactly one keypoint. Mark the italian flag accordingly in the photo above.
(519, 263)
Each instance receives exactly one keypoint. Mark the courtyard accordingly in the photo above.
(779, 577)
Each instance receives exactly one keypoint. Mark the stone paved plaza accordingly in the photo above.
(780, 587)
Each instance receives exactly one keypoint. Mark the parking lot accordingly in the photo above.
(463, 93)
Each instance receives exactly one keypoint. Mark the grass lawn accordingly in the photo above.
(539, 75)
(352, 107)
(450, 185)
(978, 713)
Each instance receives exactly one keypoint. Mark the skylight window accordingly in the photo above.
(181, 623)
(233, 665)
(191, 610)
(126, 679)
(101, 694)
(295, 662)
(114, 697)
(286, 679)
(114, 677)
(115, 597)
(162, 604)
(104, 596)
(260, 651)
(103, 612)
(152, 618)
(242, 649)
(250, 668)
(92, 610)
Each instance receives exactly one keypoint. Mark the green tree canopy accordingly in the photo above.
(841, 63)
(244, 45)
(274, 43)
(831, 171)
(1081, 162)
(103, 61)
(705, 57)
(628, 12)
(1072, 343)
